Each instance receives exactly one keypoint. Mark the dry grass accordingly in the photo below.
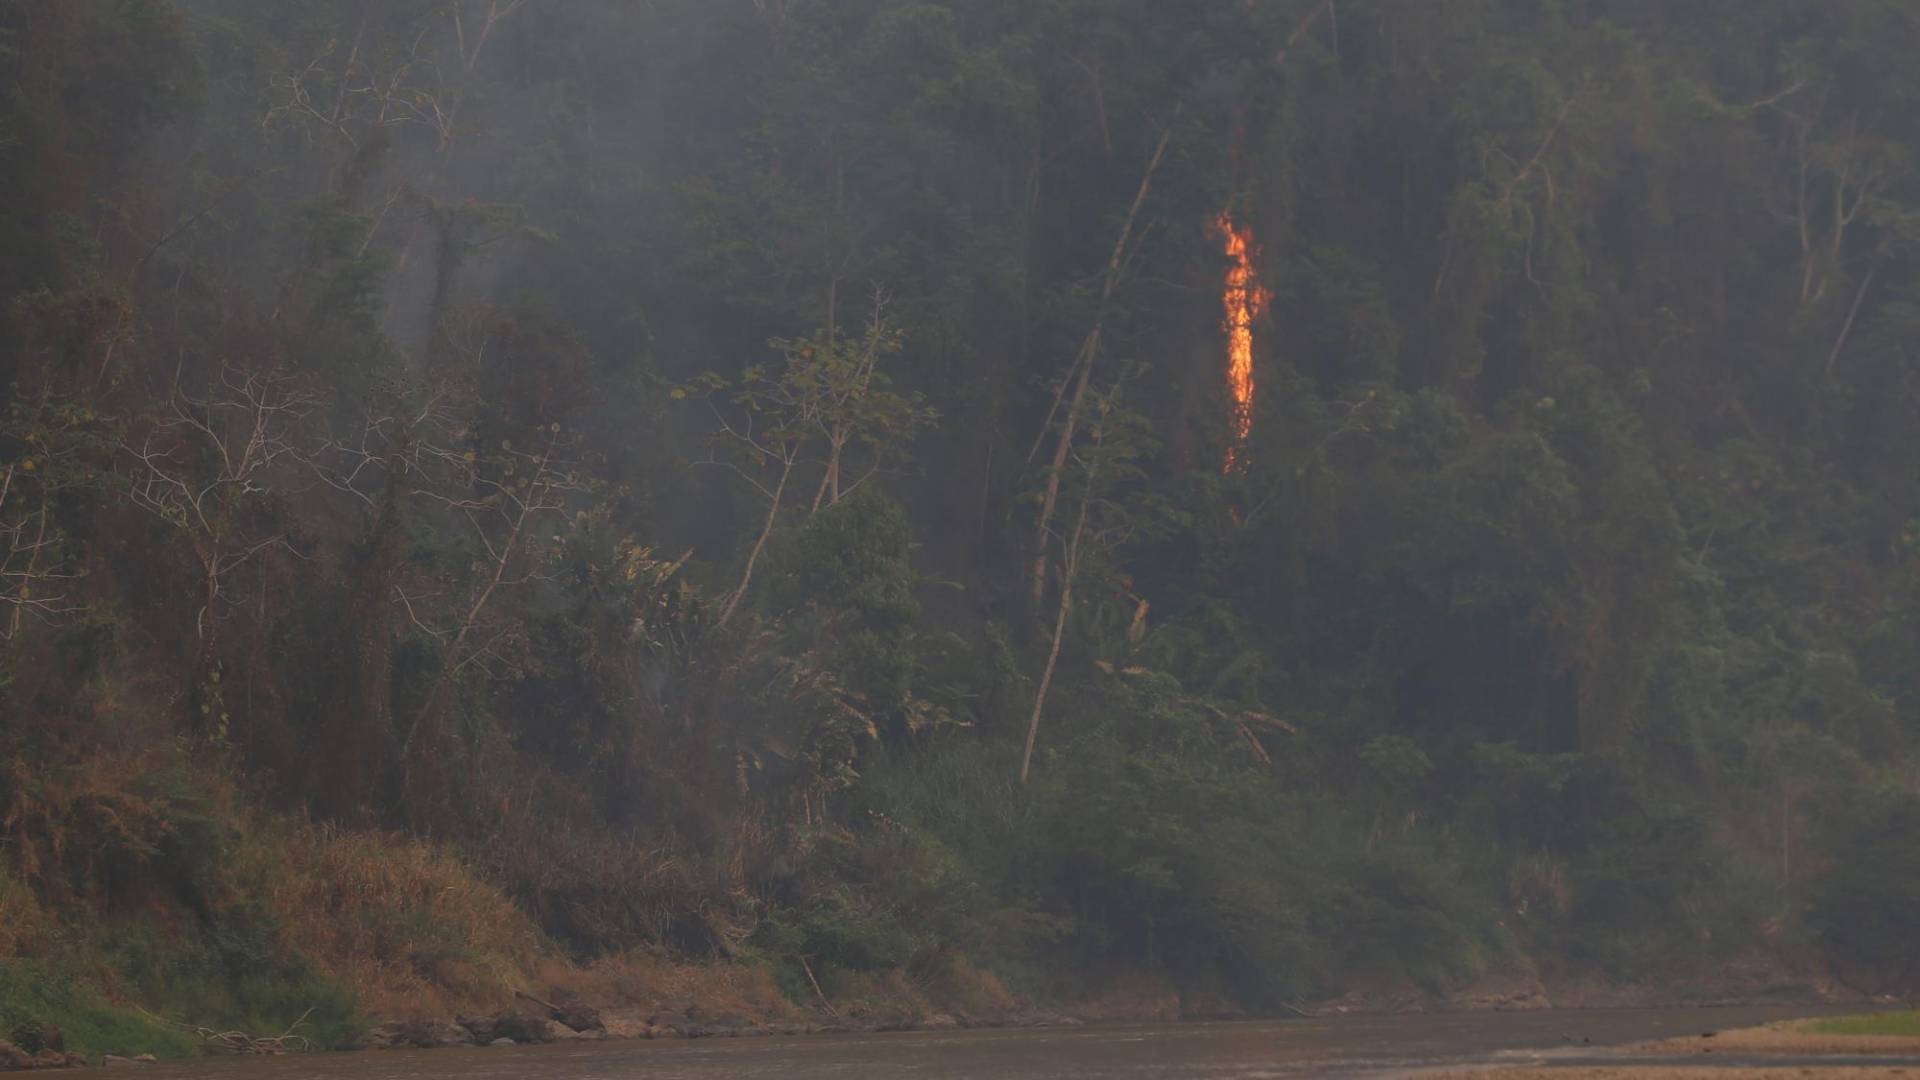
(69, 825)
(404, 924)
(25, 926)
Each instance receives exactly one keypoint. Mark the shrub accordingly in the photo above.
(402, 922)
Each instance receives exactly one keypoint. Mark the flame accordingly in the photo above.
(1244, 300)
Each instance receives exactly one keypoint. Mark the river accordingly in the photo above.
(1333, 1046)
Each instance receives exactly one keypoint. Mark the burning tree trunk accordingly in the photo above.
(1245, 300)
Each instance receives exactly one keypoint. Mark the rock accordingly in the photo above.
(146, 1059)
(480, 1027)
(509, 1025)
(939, 1022)
(672, 1023)
(502, 1042)
(626, 1023)
(51, 1059)
(522, 1028)
(839, 1027)
(579, 1016)
(418, 1033)
(791, 1027)
(12, 1057)
(703, 1024)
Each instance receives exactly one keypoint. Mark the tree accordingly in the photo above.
(828, 395)
(504, 512)
(214, 468)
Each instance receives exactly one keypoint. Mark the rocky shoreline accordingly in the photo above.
(574, 1022)
(563, 1016)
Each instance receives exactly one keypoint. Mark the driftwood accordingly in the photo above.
(239, 1042)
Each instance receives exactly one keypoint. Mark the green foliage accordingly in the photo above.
(1866, 907)
(232, 975)
(1906, 1024)
(845, 582)
(35, 996)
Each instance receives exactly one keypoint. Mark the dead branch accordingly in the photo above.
(207, 460)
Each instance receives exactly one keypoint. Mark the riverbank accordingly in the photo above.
(657, 998)
(258, 926)
(652, 997)
(1372, 1044)
(1866, 1046)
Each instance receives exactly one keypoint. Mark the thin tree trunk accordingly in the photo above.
(1068, 570)
(830, 479)
(759, 545)
(820, 493)
(1089, 353)
(1852, 313)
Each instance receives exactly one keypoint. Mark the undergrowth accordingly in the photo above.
(233, 975)
(37, 997)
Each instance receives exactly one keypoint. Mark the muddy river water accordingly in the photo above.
(1335, 1046)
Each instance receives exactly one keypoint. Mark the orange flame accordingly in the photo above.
(1244, 300)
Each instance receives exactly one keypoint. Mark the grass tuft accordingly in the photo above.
(1893, 1023)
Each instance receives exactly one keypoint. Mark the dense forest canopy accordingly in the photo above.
(1255, 494)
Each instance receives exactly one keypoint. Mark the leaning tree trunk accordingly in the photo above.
(1089, 353)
